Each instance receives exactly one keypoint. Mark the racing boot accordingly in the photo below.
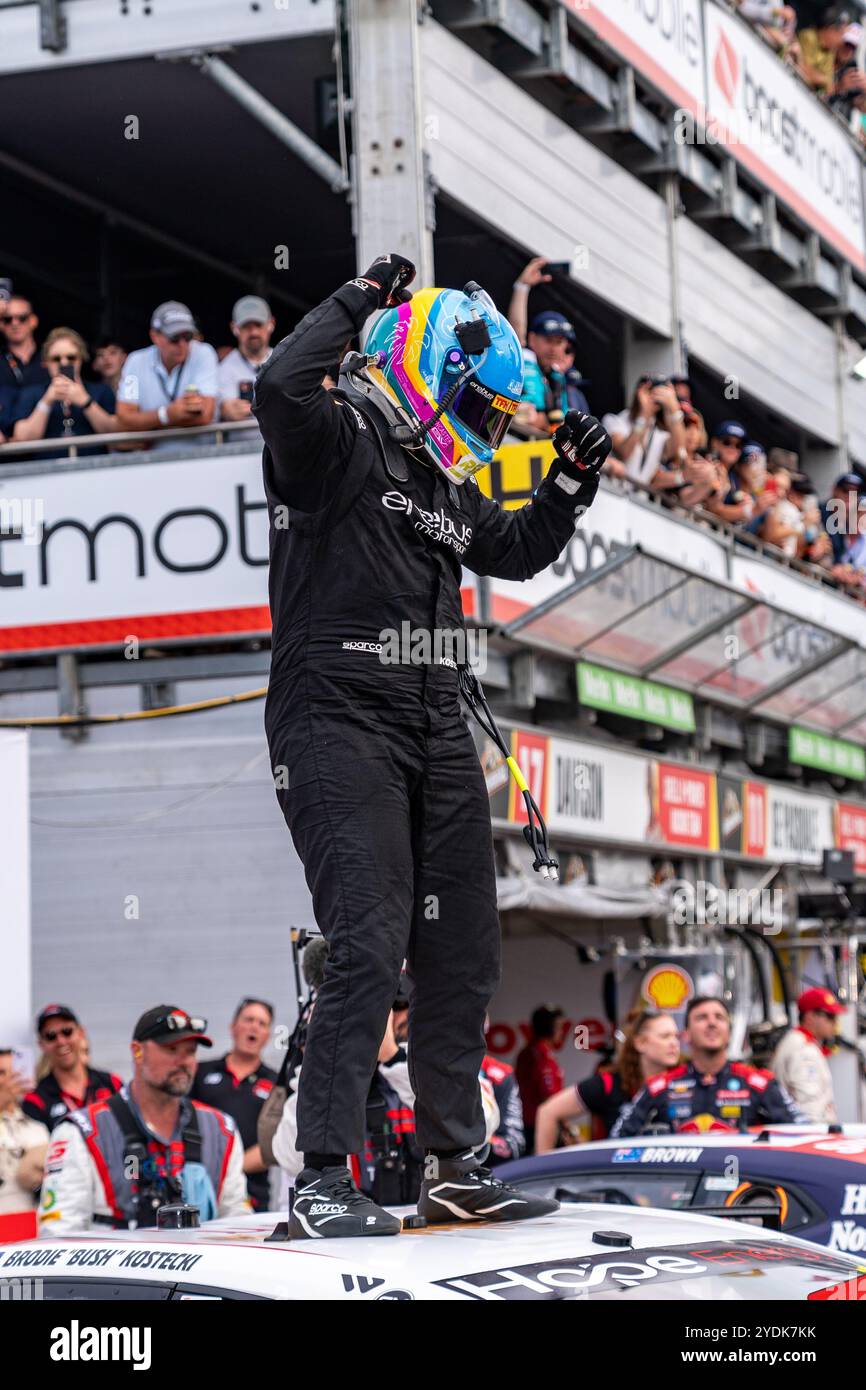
(328, 1203)
(464, 1190)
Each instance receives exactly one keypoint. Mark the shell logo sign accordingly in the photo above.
(668, 987)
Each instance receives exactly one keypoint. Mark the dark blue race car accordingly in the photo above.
(817, 1180)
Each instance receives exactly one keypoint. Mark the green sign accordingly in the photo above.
(634, 698)
(828, 754)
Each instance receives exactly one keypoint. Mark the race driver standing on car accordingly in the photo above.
(709, 1092)
(373, 511)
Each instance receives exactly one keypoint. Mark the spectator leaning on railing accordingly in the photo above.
(20, 362)
(108, 358)
(776, 23)
(819, 47)
(253, 326)
(648, 434)
(730, 503)
(552, 384)
(69, 407)
(172, 383)
(849, 81)
(839, 513)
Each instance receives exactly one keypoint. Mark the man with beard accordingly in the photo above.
(116, 1162)
(252, 325)
(710, 1092)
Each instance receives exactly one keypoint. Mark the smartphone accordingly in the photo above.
(559, 267)
(67, 369)
(23, 1062)
(245, 390)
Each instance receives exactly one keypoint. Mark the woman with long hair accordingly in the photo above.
(648, 1043)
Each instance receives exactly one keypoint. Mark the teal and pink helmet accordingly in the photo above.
(452, 347)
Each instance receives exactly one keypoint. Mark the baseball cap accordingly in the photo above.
(833, 16)
(166, 1023)
(55, 1011)
(823, 1000)
(849, 480)
(854, 35)
(552, 323)
(752, 449)
(250, 308)
(732, 428)
(172, 317)
(802, 483)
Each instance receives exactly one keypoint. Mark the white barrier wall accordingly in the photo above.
(506, 158)
(521, 169)
(16, 1025)
(741, 326)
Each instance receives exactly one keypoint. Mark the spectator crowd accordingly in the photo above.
(823, 44)
(661, 442)
(87, 1148)
(61, 390)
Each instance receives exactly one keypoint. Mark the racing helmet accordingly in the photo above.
(454, 366)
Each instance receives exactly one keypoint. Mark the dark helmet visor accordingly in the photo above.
(483, 412)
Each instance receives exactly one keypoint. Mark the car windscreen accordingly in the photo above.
(619, 1186)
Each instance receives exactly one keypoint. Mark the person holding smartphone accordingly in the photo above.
(68, 407)
(253, 326)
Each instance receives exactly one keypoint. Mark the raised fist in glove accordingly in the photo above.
(389, 274)
(582, 443)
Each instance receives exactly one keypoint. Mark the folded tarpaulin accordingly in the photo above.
(579, 899)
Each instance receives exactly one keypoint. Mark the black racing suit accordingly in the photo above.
(738, 1096)
(375, 770)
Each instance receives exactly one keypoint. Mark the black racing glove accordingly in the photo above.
(387, 275)
(582, 444)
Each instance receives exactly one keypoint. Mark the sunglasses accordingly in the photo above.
(17, 318)
(65, 357)
(730, 443)
(52, 1034)
(179, 337)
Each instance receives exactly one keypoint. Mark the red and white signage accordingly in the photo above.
(755, 819)
(851, 832)
(685, 809)
(530, 751)
(662, 39)
(168, 549)
(776, 128)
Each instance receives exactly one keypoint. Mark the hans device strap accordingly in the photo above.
(397, 468)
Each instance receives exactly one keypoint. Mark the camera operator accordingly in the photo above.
(117, 1162)
(649, 433)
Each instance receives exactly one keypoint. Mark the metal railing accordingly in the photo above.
(215, 434)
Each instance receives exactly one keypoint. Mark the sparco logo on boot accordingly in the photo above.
(438, 525)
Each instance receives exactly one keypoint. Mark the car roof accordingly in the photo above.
(234, 1255)
(784, 1149)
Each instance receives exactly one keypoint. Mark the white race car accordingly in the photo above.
(580, 1252)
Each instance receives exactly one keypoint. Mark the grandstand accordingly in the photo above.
(207, 149)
